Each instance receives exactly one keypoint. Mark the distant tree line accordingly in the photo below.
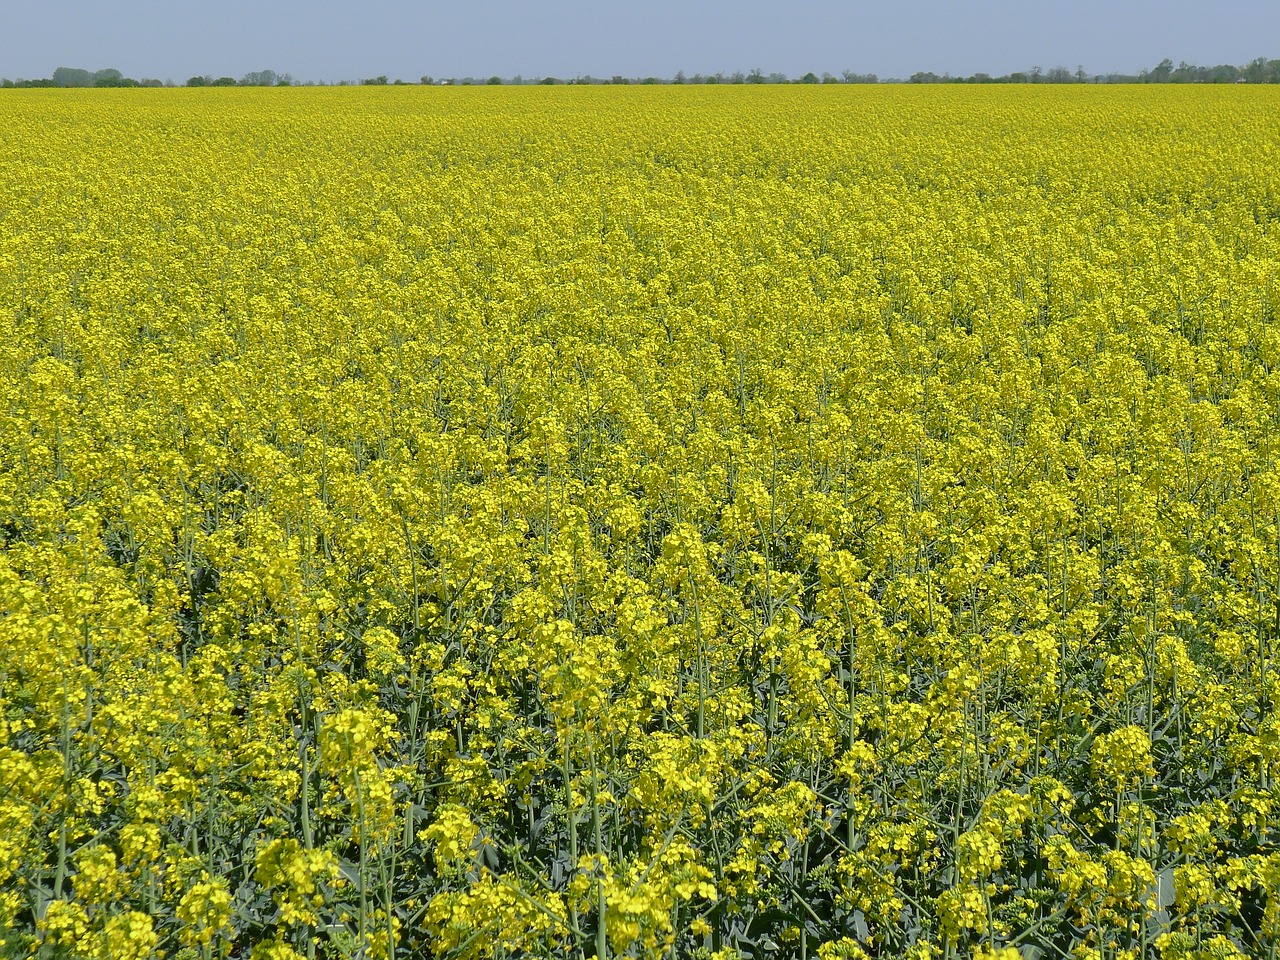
(1260, 70)
(75, 77)
(755, 76)
(255, 78)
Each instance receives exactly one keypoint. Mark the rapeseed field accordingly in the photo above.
(831, 522)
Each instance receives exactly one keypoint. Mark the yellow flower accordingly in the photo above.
(1123, 757)
(452, 836)
(205, 910)
(129, 936)
(298, 876)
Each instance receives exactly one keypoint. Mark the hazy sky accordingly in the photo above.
(340, 39)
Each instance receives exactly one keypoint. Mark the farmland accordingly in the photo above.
(826, 522)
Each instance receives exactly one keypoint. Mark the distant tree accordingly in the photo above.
(375, 81)
(1080, 74)
(679, 77)
(619, 79)
(1162, 71)
(113, 78)
(72, 77)
(260, 78)
(426, 81)
(224, 82)
(650, 81)
(1036, 74)
(755, 76)
(549, 81)
(494, 81)
(1058, 75)
(828, 78)
(737, 77)
(924, 76)
(200, 82)
(809, 77)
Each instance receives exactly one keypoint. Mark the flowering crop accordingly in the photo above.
(836, 522)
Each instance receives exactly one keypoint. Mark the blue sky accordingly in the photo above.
(336, 39)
